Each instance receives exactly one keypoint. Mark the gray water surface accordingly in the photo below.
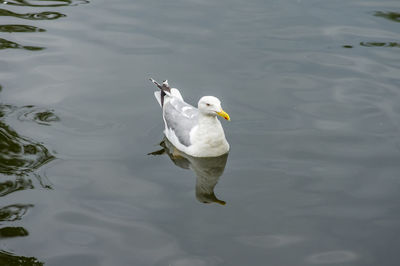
(313, 91)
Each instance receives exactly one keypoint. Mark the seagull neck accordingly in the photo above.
(207, 120)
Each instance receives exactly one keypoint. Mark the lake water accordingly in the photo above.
(313, 91)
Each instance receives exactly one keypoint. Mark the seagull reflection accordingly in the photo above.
(207, 169)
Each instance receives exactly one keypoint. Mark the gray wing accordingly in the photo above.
(181, 118)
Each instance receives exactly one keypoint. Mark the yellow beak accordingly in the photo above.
(224, 115)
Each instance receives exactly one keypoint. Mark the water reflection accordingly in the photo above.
(21, 156)
(47, 15)
(41, 116)
(45, 3)
(207, 170)
(393, 16)
(20, 28)
(10, 186)
(380, 44)
(10, 259)
(331, 257)
(9, 231)
(14, 212)
(6, 44)
(375, 44)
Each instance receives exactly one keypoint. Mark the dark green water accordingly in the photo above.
(313, 90)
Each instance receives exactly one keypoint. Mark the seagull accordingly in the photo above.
(194, 131)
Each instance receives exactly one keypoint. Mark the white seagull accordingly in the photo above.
(194, 131)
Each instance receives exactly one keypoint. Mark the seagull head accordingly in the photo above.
(210, 105)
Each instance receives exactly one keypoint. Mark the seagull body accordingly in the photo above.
(195, 131)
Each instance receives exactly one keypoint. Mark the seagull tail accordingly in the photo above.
(157, 94)
(165, 90)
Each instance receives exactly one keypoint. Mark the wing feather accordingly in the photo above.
(181, 118)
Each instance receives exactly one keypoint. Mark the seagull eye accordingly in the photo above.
(208, 104)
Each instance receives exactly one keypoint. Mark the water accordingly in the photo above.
(313, 90)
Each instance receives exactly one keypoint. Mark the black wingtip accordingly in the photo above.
(164, 87)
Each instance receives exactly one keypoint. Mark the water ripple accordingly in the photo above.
(47, 15)
(45, 3)
(41, 116)
(8, 231)
(14, 212)
(20, 28)
(11, 186)
(393, 16)
(270, 241)
(337, 256)
(7, 258)
(380, 44)
(20, 155)
(5, 44)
